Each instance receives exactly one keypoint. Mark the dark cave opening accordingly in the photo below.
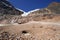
(24, 32)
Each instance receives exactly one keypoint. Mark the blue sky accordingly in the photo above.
(28, 5)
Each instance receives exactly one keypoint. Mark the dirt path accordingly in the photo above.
(48, 23)
(41, 22)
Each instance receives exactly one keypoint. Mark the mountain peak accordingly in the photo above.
(54, 7)
(8, 13)
(54, 4)
(8, 8)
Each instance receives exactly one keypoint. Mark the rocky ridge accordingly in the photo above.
(51, 14)
(8, 12)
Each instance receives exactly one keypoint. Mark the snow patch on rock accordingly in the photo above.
(26, 13)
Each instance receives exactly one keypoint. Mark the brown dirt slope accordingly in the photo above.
(31, 31)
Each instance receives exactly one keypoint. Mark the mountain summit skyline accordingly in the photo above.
(27, 5)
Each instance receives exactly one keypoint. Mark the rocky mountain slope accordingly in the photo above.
(40, 24)
(53, 8)
(51, 14)
(8, 12)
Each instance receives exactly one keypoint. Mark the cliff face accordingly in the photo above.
(8, 12)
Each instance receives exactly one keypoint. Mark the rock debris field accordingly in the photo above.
(40, 24)
(31, 31)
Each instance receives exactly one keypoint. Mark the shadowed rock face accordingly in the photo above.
(8, 12)
(7, 8)
(54, 7)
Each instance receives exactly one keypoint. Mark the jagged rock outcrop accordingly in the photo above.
(8, 12)
(54, 7)
(7, 8)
